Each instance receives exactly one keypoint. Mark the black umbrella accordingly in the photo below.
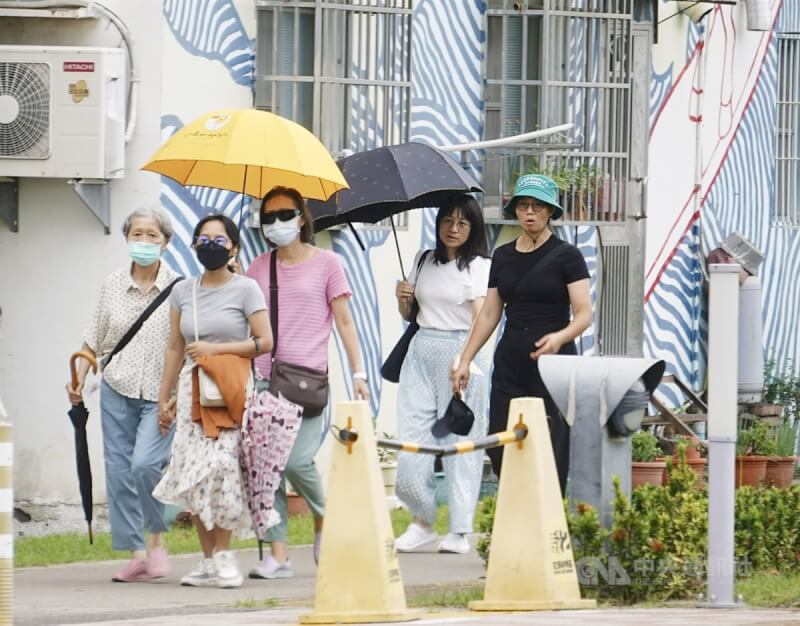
(390, 180)
(79, 414)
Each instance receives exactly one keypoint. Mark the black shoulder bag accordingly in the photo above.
(304, 386)
(137, 325)
(390, 370)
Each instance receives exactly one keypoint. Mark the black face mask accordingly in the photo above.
(212, 255)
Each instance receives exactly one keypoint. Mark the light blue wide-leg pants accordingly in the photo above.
(424, 393)
(135, 456)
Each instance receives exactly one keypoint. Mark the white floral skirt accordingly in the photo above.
(204, 474)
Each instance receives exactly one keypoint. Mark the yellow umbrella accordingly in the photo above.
(248, 151)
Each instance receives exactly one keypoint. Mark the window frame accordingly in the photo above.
(787, 132)
(600, 159)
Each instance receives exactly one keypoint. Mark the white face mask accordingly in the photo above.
(282, 233)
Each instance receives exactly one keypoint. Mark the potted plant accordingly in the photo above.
(388, 462)
(689, 447)
(645, 469)
(753, 446)
(780, 467)
(780, 395)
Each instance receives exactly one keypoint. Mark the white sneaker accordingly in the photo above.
(455, 543)
(415, 539)
(269, 568)
(228, 574)
(203, 575)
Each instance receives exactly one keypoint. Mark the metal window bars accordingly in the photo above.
(342, 68)
(787, 133)
(555, 61)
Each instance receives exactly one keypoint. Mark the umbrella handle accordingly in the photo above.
(73, 372)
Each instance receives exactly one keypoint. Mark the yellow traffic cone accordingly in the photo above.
(531, 567)
(358, 579)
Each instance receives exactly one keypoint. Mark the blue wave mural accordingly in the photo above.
(742, 199)
(212, 29)
(660, 86)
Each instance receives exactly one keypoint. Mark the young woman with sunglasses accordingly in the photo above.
(204, 473)
(313, 293)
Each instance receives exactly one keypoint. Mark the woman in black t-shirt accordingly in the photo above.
(536, 279)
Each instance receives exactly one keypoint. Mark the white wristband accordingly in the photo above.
(360, 375)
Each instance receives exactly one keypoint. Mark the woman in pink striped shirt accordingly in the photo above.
(313, 293)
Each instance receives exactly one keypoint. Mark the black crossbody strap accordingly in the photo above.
(542, 263)
(273, 300)
(137, 325)
(415, 304)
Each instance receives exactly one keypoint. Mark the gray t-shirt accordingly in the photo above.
(222, 312)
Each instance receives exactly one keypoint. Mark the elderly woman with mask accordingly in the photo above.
(135, 451)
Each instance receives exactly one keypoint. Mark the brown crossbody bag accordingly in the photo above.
(302, 385)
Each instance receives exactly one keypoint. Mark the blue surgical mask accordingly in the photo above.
(144, 254)
(282, 233)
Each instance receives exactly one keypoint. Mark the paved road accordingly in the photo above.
(83, 594)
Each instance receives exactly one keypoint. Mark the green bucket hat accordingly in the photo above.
(537, 186)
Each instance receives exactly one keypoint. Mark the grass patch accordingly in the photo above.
(450, 596)
(770, 589)
(256, 603)
(74, 547)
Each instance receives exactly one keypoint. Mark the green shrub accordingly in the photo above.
(656, 548)
(785, 439)
(644, 447)
(757, 440)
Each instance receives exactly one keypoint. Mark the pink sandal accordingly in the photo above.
(134, 571)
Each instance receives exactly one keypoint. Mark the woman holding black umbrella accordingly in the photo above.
(449, 285)
(537, 280)
(134, 449)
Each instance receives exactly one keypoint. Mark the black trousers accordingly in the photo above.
(516, 375)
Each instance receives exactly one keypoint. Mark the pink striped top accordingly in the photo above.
(305, 317)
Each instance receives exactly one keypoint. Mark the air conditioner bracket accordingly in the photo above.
(9, 203)
(96, 195)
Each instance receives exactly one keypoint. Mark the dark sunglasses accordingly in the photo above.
(284, 215)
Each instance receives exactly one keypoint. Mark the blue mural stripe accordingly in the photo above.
(212, 29)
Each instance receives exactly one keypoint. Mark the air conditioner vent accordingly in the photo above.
(24, 110)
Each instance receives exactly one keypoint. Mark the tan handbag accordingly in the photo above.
(210, 394)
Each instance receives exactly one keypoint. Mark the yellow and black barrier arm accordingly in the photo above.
(349, 436)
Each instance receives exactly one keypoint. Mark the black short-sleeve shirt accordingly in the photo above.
(543, 303)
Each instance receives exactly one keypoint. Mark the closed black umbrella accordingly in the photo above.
(389, 180)
(79, 415)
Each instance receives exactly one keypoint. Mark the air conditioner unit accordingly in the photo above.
(62, 112)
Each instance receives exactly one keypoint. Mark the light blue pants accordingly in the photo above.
(301, 470)
(135, 455)
(424, 393)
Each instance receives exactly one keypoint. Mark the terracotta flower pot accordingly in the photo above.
(647, 473)
(297, 504)
(698, 466)
(692, 451)
(780, 470)
(763, 409)
(750, 470)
